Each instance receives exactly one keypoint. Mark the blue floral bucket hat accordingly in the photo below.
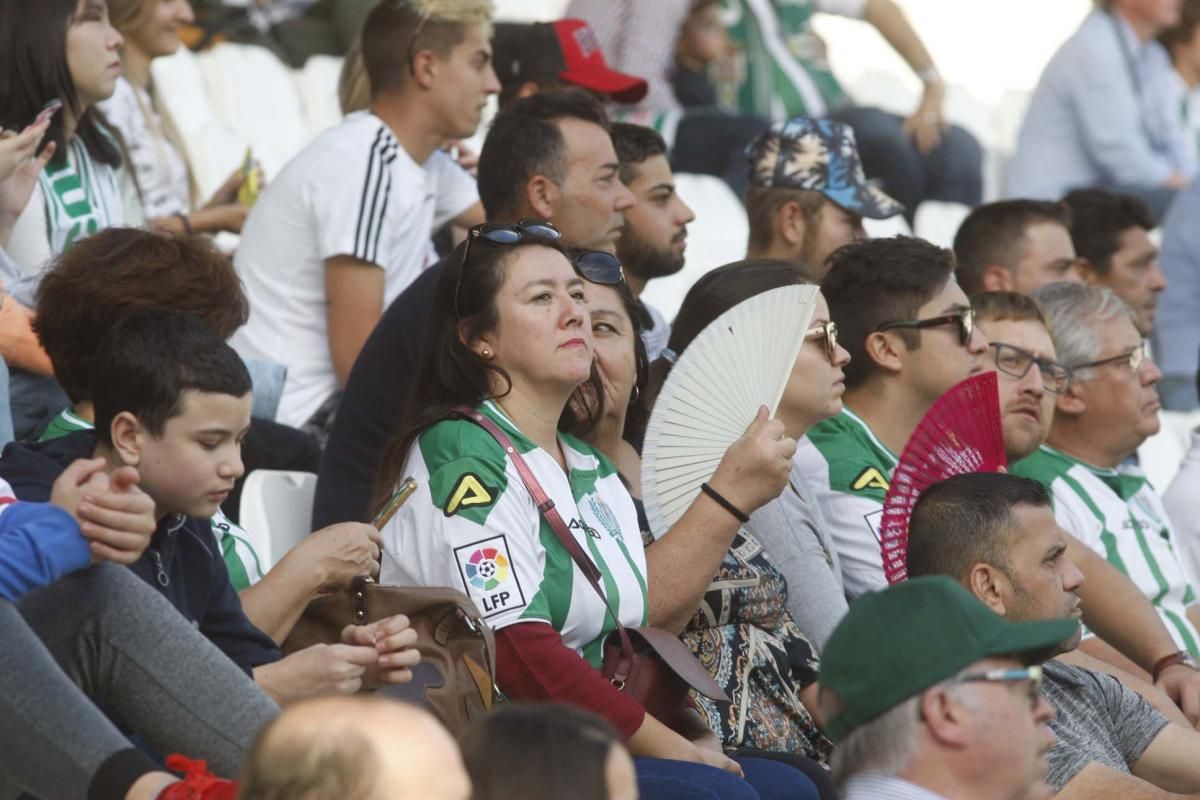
(818, 155)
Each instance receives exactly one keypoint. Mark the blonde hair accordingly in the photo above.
(354, 90)
(396, 30)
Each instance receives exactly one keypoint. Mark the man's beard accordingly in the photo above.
(644, 260)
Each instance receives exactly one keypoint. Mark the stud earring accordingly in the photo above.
(485, 354)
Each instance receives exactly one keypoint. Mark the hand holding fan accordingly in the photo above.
(960, 433)
(741, 361)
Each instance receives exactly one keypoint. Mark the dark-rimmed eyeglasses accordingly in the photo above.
(1033, 674)
(1016, 362)
(1133, 358)
(964, 319)
(828, 330)
(595, 266)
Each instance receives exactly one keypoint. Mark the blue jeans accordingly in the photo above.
(952, 172)
(660, 779)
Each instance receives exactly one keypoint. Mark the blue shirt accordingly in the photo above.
(1177, 324)
(1101, 116)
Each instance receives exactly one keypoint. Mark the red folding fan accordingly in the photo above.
(960, 433)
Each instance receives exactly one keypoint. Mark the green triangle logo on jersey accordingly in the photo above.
(469, 492)
(869, 478)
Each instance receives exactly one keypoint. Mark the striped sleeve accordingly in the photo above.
(350, 209)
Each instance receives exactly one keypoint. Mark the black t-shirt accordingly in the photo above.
(372, 406)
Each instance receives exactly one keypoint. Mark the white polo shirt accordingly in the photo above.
(352, 192)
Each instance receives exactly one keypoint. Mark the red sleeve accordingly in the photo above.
(533, 664)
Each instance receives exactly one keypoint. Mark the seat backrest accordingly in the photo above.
(277, 505)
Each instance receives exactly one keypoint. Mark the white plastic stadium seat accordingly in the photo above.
(1160, 455)
(718, 236)
(276, 510)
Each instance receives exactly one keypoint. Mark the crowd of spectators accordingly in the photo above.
(399, 307)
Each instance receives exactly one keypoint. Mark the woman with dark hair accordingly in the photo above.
(744, 632)
(547, 752)
(511, 338)
(64, 50)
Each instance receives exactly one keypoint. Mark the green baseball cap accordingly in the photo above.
(896, 643)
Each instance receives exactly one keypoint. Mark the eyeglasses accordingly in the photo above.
(596, 266)
(1033, 674)
(829, 331)
(1134, 358)
(965, 320)
(1017, 362)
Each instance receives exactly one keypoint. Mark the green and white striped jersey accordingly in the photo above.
(847, 470)
(1118, 514)
(472, 524)
(238, 551)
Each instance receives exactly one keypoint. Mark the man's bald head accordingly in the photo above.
(354, 748)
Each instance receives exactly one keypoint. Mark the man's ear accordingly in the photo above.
(790, 224)
(424, 68)
(886, 349)
(997, 279)
(128, 437)
(1087, 271)
(1072, 401)
(990, 585)
(945, 718)
(527, 89)
(542, 195)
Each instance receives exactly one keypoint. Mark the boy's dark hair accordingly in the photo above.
(118, 271)
(994, 233)
(1098, 218)
(881, 280)
(525, 141)
(965, 520)
(634, 144)
(149, 359)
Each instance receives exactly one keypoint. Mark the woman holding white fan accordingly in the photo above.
(744, 618)
(510, 337)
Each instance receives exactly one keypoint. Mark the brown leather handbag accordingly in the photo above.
(456, 676)
(649, 664)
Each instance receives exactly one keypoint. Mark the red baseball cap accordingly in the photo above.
(585, 65)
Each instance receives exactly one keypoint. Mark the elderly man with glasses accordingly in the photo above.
(955, 710)
(1107, 409)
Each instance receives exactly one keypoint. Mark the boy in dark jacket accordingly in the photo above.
(173, 401)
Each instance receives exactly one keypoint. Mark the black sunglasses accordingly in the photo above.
(965, 320)
(596, 266)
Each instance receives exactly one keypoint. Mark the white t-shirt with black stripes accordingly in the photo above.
(353, 192)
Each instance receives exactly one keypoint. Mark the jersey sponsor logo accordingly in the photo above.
(489, 575)
(869, 478)
(578, 524)
(469, 492)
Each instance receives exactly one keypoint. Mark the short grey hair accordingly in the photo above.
(887, 744)
(1076, 313)
(884, 745)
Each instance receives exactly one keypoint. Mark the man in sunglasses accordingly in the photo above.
(952, 710)
(1108, 408)
(547, 157)
(996, 535)
(910, 332)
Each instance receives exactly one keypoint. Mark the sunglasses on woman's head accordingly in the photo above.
(502, 234)
(595, 266)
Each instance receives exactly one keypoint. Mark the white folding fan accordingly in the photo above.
(741, 361)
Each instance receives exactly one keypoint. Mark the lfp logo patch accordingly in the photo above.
(486, 568)
(489, 575)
